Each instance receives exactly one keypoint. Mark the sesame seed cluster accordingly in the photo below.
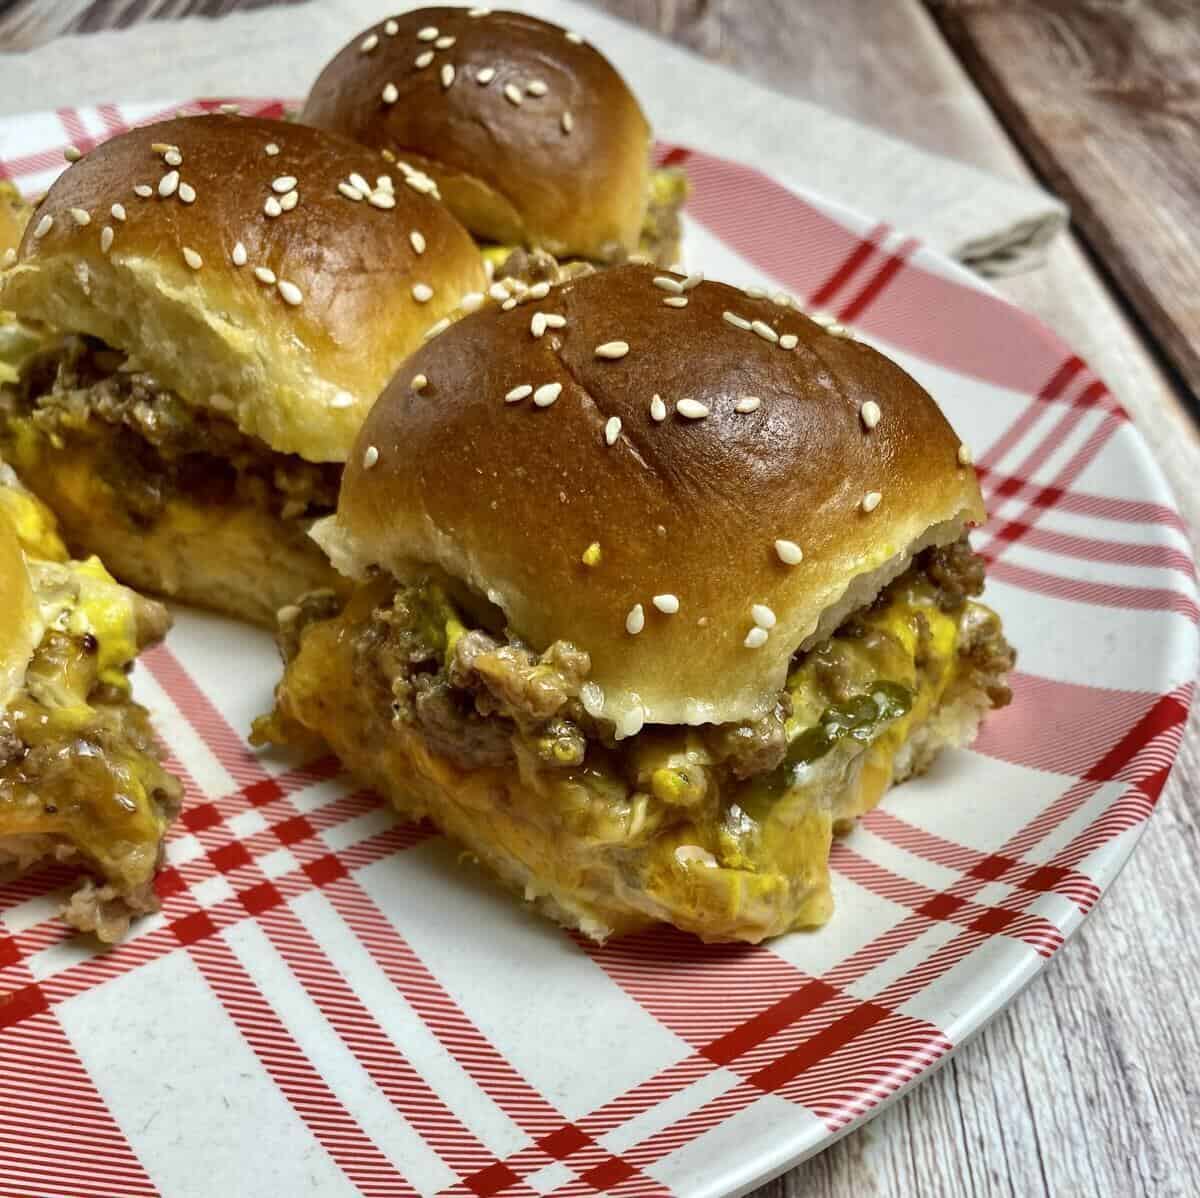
(431, 40)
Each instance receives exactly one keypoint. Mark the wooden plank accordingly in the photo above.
(1085, 1084)
(1102, 97)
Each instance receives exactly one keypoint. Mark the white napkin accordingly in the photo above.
(995, 225)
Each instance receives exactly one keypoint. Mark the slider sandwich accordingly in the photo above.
(221, 300)
(659, 586)
(80, 778)
(535, 140)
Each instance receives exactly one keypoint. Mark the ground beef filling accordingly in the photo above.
(472, 700)
(154, 446)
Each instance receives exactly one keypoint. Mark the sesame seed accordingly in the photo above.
(423, 59)
(512, 93)
(555, 320)
(351, 193)
(422, 293)
(693, 280)
(762, 615)
(417, 241)
(187, 193)
(612, 430)
(539, 290)
(81, 217)
(788, 341)
(360, 184)
(498, 291)
(870, 413)
(693, 409)
(173, 157)
(72, 154)
(192, 258)
(518, 393)
(870, 501)
(265, 275)
(370, 457)
(789, 553)
(755, 292)
(43, 227)
(676, 301)
(272, 149)
(536, 87)
(478, 12)
(965, 456)
(389, 95)
(381, 199)
(756, 638)
(471, 301)
(239, 255)
(635, 621)
(573, 37)
(447, 75)
(391, 29)
(782, 299)
(546, 394)
(485, 75)
(592, 554)
(290, 293)
(612, 349)
(369, 43)
(384, 183)
(230, 110)
(658, 409)
(118, 212)
(537, 326)
(444, 43)
(343, 399)
(838, 330)
(421, 182)
(764, 330)
(419, 382)
(567, 122)
(508, 305)
(747, 403)
(667, 604)
(434, 329)
(168, 183)
(428, 34)
(666, 283)
(290, 201)
(734, 319)
(106, 239)
(144, 190)
(822, 318)
(272, 207)
(283, 184)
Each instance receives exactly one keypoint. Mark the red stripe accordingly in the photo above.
(1095, 594)
(855, 261)
(881, 279)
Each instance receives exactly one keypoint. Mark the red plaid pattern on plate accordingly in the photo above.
(329, 1004)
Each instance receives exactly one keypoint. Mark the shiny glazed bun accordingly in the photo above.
(239, 261)
(20, 627)
(692, 453)
(532, 135)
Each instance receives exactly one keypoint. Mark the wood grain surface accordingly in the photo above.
(1103, 99)
(1086, 1085)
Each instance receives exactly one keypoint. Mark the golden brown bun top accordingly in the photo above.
(164, 283)
(20, 627)
(565, 170)
(509, 496)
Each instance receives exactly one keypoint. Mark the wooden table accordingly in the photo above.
(1086, 1084)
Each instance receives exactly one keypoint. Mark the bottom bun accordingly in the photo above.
(238, 560)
